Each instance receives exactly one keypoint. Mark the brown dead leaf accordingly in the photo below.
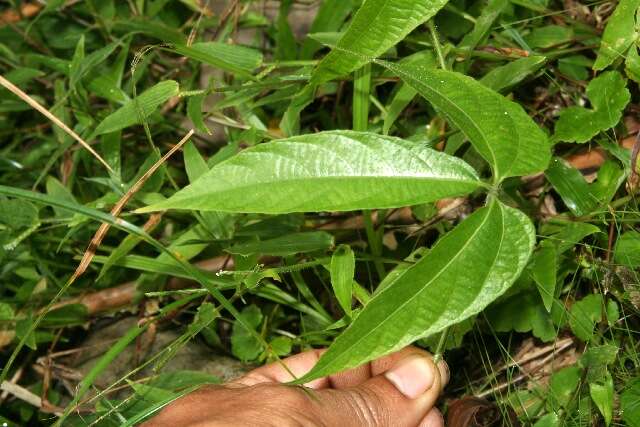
(27, 10)
(475, 412)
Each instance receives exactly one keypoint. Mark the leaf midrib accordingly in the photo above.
(477, 183)
(416, 294)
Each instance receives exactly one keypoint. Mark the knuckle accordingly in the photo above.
(368, 407)
(294, 404)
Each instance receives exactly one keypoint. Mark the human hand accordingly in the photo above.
(397, 390)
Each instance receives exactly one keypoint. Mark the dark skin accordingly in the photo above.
(400, 389)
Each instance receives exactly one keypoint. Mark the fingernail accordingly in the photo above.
(412, 376)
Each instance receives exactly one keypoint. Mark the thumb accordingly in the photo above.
(401, 396)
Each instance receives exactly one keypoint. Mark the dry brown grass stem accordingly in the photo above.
(117, 208)
(33, 103)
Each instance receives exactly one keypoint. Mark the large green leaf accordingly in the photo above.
(618, 35)
(608, 95)
(376, 27)
(498, 128)
(139, 108)
(466, 270)
(327, 171)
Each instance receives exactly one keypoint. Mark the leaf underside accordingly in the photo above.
(327, 171)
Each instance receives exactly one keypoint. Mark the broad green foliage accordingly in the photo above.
(523, 312)
(243, 344)
(327, 171)
(627, 250)
(602, 395)
(562, 387)
(278, 229)
(608, 96)
(16, 213)
(619, 35)
(377, 26)
(499, 129)
(630, 403)
(589, 311)
(136, 110)
(465, 271)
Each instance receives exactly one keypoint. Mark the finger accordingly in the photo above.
(432, 419)
(401, 396)
(357, 376)
(281, 372)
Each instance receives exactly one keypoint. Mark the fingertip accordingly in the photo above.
(412, 376)
(433, 419)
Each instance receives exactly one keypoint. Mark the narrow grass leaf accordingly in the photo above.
(342, 269)
(144, 105)
(233, 58)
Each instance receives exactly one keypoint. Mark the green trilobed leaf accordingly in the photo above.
(619, 34)
(498, 128)
(608, 95)
(377, 26)
(465, 271)
(327, 171)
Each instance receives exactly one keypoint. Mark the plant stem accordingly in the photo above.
(436, 44)
(375, 242)
(437, 357)
(361, 89)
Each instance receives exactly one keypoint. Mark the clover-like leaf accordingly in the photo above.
(608, 95)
